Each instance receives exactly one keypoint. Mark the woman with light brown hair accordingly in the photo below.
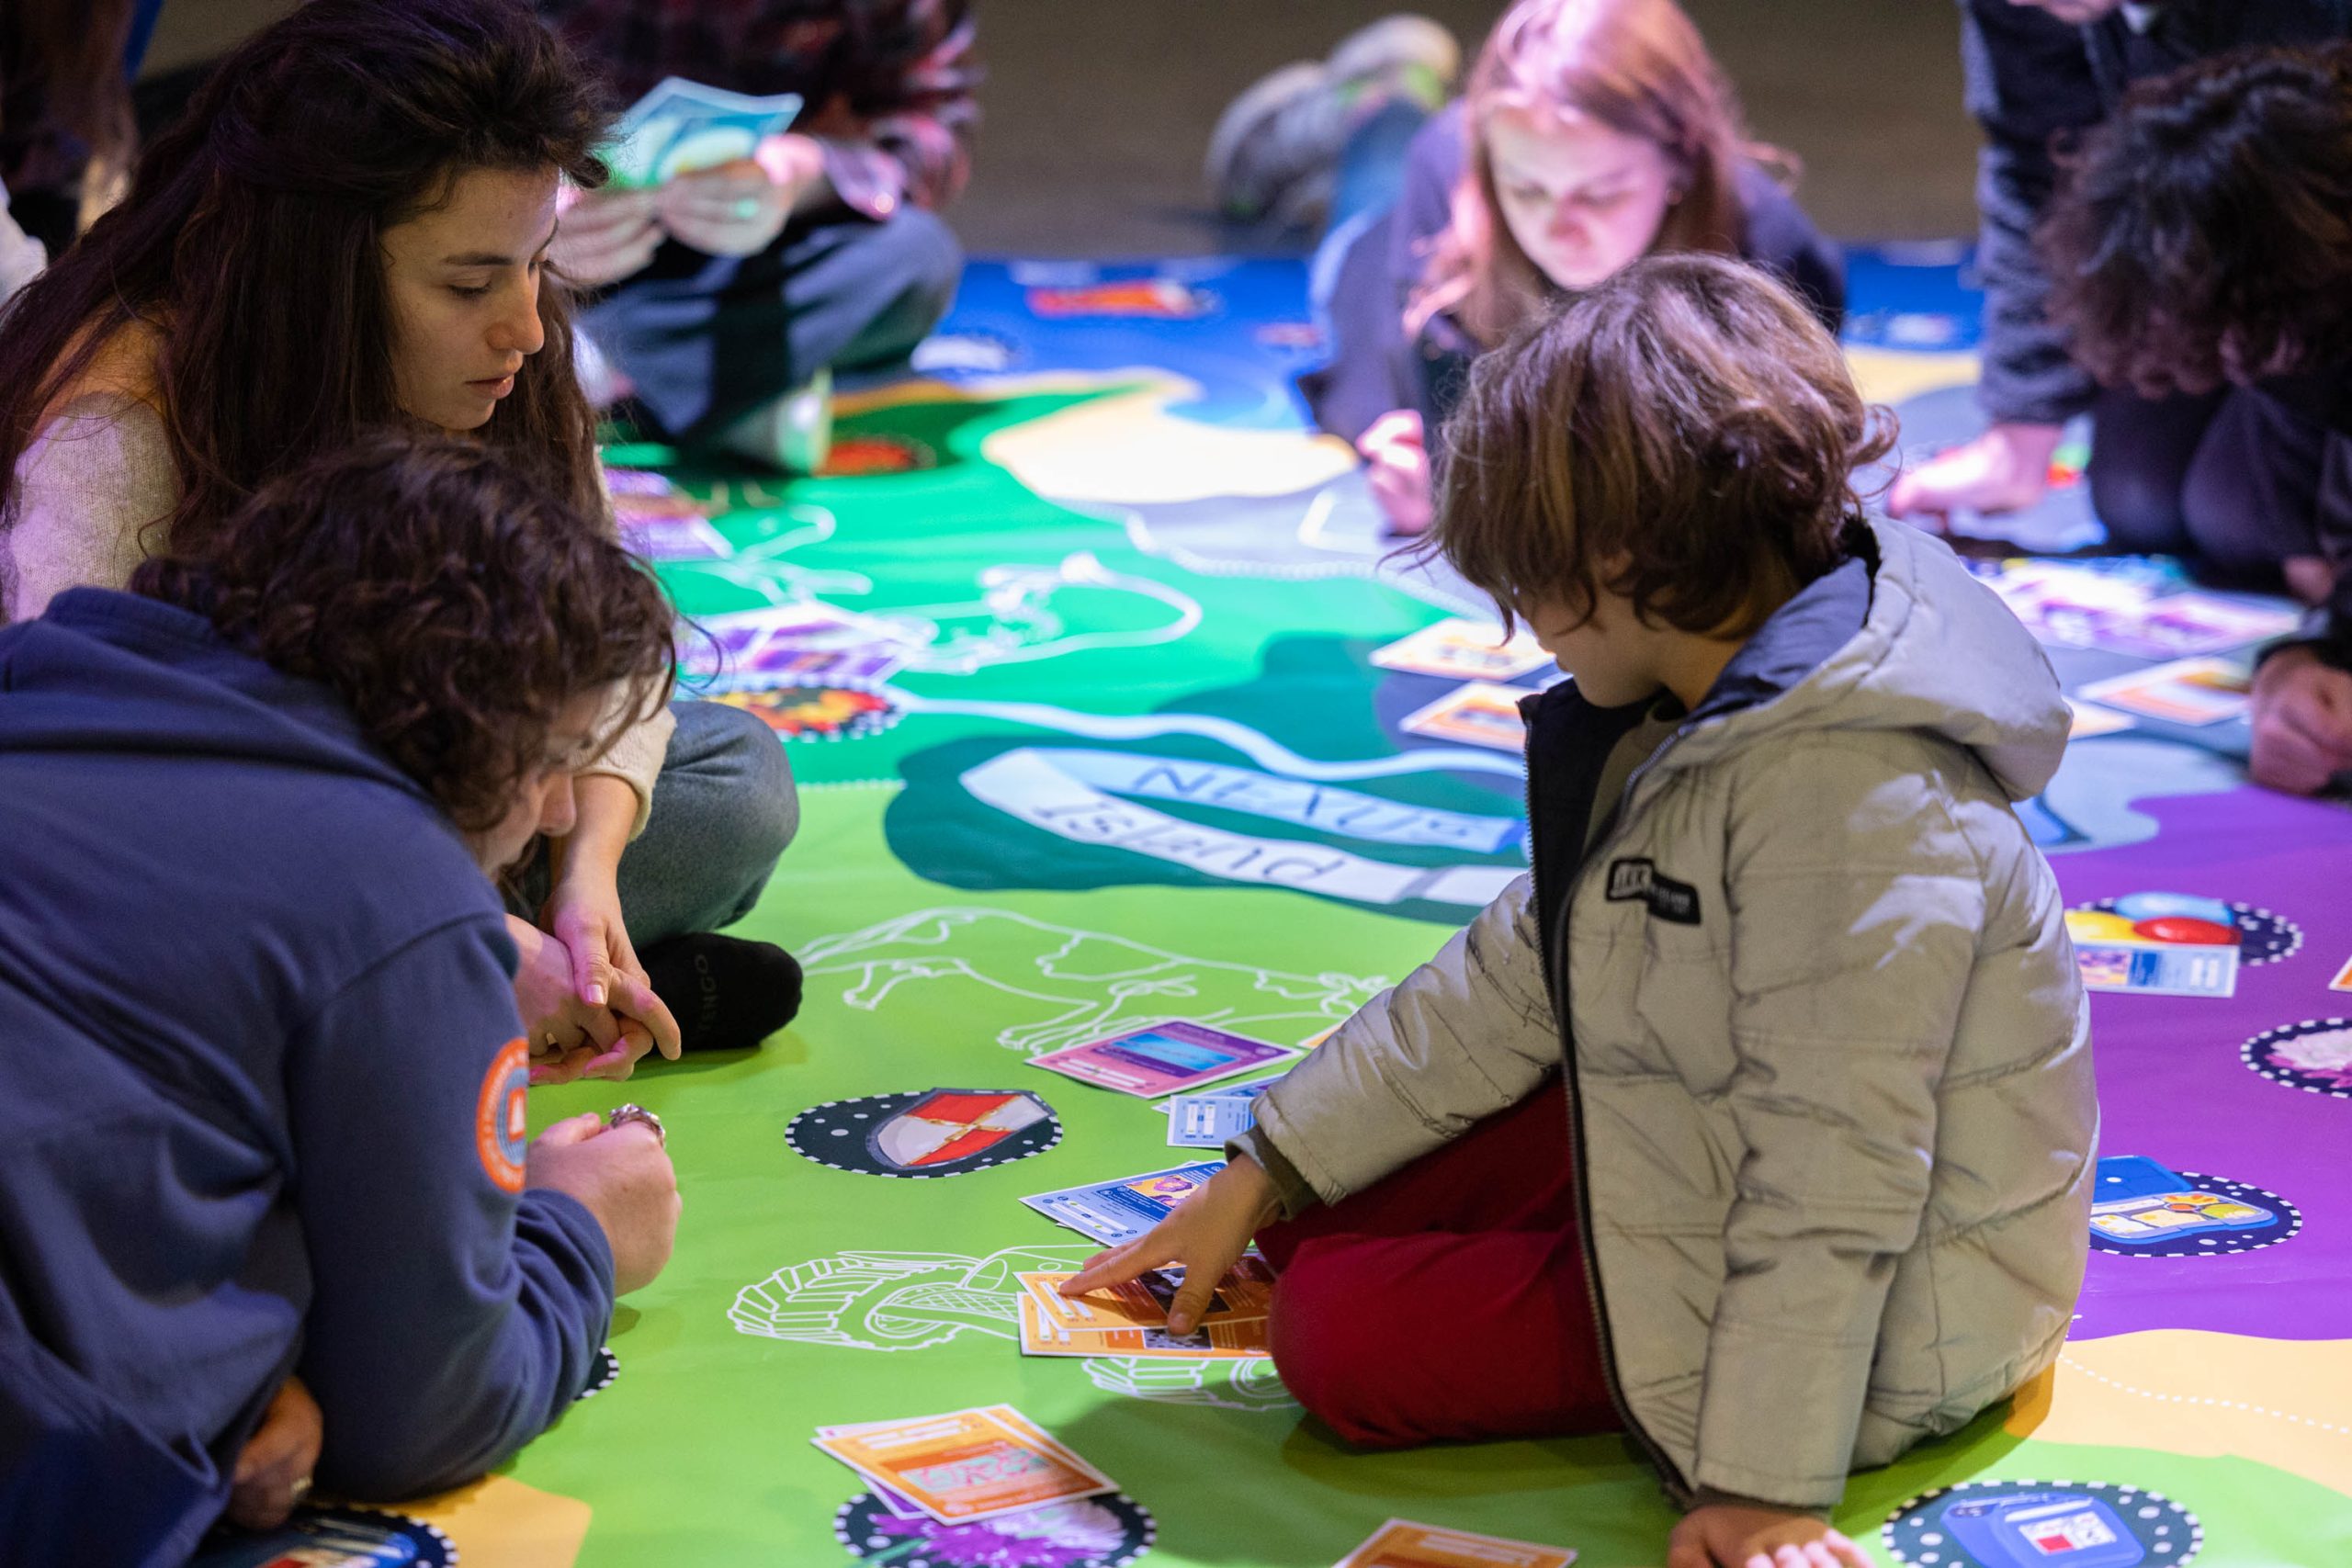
(1590, 133)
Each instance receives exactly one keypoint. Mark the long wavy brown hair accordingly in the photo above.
(2204, 233)
(250, 246)
(1638, 67)
(455, 603)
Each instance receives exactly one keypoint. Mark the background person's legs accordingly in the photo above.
(2228, 478)
(724, 810)
(709, 343)
(2251, 497)
(2141, 450)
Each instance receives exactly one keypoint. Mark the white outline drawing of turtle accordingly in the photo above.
(1084, 984)
(913, 1300)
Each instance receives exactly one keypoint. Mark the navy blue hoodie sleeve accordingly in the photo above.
(454, 1315)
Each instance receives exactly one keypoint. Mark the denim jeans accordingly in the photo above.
(707, 340)
(724, 808)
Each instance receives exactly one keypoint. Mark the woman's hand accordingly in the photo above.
(607, 996)
(2004, 469)
(1740, 1535)
(570, 1037)
(604, 236)
(1397, 466)
(1206, 1233)
(274, 1467)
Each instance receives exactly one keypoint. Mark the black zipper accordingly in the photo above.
(1554, 957)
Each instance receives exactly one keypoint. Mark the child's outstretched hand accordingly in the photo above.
(1734, 1535)
(1206, 1233)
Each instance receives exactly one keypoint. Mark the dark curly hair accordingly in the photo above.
(453, 603)
(1688, 420)
(252, 243)
(2203, 234)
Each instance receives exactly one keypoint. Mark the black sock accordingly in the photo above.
(725, 992)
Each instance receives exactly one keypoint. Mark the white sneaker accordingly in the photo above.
(794, 432)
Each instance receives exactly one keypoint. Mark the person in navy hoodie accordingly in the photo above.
(264, 1075)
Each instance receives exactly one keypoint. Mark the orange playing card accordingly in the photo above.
(1218, 1342)
(967, 1464)
(1400, 1543)
(1241, 1296)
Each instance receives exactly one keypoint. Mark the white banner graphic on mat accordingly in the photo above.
(1068, 794)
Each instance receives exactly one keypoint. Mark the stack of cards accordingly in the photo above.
(1132, 1319)
(660, 522)
(2187, 691)
(1116, 1212)
(791, 645)
(1401, 1543)
(966, 1465)
(2128, 612)
(1465, 650)
(1215, 1117)
(1480, 712)
(1162, 1058)
(682, 126)
(2116, 953)
(2088, 721)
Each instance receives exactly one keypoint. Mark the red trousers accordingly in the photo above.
(1449, 1300)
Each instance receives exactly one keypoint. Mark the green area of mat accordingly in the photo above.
(802, 1295)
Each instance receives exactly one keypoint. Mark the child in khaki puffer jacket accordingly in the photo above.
(1820, 1185)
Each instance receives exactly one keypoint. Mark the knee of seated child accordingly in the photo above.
(762, 805)
(1307, 1354)
(927, 250)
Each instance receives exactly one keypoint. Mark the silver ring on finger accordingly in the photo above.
(622, 1113)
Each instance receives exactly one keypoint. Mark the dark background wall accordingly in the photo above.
(1099, 110)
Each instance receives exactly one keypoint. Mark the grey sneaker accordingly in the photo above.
(1289, 126)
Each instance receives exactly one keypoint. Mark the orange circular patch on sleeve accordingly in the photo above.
(501, 1127)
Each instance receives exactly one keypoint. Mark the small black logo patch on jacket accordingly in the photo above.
(1668, 899)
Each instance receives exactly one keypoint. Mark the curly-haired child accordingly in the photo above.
(1757, 1123)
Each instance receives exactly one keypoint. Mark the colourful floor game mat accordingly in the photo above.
(1073, 653)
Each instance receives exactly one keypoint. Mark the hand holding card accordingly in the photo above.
(1206, 1236)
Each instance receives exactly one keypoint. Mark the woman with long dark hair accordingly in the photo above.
(348, 230)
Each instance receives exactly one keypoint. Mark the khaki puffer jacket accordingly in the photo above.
(1828, 1054)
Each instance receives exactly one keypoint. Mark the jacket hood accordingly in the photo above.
(109, 672)
(1937, 652)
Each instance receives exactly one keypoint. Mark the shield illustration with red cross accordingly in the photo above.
(949, 1126)
(920, 1134)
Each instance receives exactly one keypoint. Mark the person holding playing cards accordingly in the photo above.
(735, 296)
(1758, 1122)
(349, 230)
(2200, 242)
(273, 1214)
